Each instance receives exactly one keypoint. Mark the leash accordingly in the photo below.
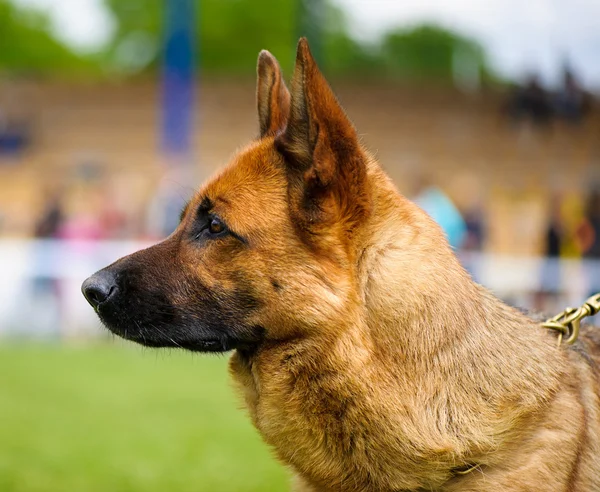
(568, 322)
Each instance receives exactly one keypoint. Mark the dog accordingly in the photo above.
(367, 357)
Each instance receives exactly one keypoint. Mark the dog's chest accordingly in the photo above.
(308, 419)
(330, 428)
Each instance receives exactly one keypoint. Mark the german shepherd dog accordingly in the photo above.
(366, 356)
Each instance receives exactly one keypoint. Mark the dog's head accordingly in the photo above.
(267, 249)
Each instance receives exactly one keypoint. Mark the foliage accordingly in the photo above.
(27, 44)
(229, 35)
(428, 52)
(230, 32)
(342, 53)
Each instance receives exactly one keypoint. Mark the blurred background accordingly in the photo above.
(113, 111)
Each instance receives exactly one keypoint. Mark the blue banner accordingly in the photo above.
(178, 77)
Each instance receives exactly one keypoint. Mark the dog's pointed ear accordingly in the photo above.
(272, 96)
(326, 165)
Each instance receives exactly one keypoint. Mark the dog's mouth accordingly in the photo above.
(159, 335)
(210, 345)
(179, 334)
(154, 337)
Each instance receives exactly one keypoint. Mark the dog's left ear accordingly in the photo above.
(272, 96)
(326, 167)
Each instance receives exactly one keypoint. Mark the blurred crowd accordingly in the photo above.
(533, 102)
(571, 233)
(108, 215)
(92, 200)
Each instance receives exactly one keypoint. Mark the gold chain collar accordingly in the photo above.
(567, 323)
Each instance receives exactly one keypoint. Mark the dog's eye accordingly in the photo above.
(215, 226)
(212, 227)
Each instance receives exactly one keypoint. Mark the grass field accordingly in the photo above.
(114, 418)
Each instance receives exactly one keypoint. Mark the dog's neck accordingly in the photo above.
(424, 313)
(420, 311)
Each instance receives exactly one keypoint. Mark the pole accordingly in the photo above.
(178, 79)
(177, 114)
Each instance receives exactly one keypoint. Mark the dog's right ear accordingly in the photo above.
(326, 167)
(272, 96)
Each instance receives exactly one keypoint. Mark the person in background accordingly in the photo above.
(441, 209)
(51, 218)
(588, 238)
(48, 226)
(531, 102)
(550, 281)
(473, 241)
(571, 102)
(475, 230)
(45, 286)
(553, 240)
(166, 206)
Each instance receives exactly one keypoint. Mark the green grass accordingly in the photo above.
(114, 418)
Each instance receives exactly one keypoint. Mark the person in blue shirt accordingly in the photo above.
(441, 209)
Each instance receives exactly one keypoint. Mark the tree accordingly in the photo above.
(229, 35)
(429, 52)
(27, 44)
(230, 32)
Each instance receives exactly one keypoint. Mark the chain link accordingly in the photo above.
(568, 322)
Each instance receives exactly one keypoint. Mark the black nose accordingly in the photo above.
(99, 287)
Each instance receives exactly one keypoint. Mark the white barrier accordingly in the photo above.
(41, 280)
(40, 290)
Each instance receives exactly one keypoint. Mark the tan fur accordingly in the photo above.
(366, 356)
(272, 96)
(415, 371)
(421, 371)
